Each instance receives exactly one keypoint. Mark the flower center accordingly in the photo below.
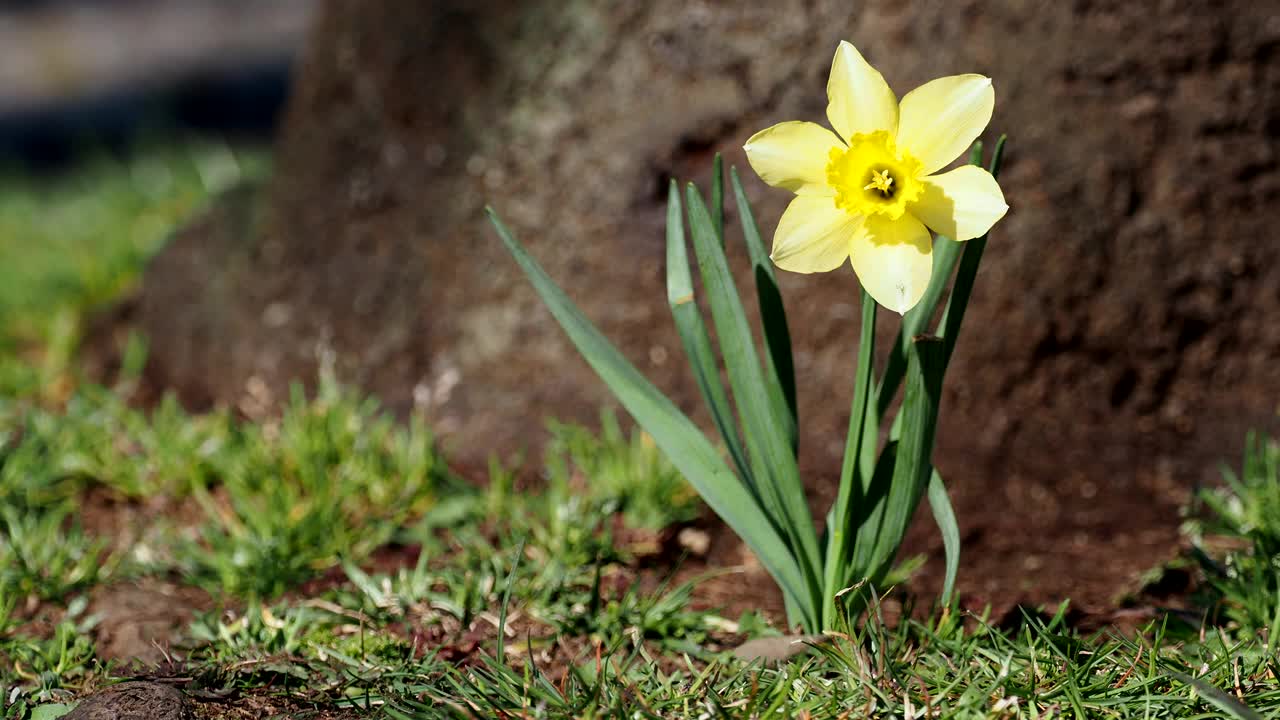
(881, 180)
(872, 177)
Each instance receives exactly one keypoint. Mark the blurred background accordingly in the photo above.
(118, 120)
(105, 71)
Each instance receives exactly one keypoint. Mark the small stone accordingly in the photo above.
(777, 649)
(697, 542)
(134, 701)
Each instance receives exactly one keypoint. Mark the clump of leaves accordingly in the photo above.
(630, 473)
(46, 554)
(336, 477)
(1243, 517)
(44, 664)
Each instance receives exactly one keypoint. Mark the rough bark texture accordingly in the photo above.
(1120, 341)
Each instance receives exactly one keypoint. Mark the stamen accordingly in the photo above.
(880, 180)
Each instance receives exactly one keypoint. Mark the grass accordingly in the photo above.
(71, 244)
(1242, 519)
(939, 670)
(348, 572)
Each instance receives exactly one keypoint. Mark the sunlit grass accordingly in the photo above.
(1243, 516)
(73, 242)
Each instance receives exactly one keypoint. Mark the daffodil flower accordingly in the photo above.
(869, 192)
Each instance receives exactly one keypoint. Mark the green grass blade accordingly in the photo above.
(506, 602)
(673, 432)
(945, 516)
(773, 316)
(696, 340)
(1216, 697)
(772, 458)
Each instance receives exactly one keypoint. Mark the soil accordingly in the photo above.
(1116, 350)
(134, 701)
(148, 700)
(138, 621)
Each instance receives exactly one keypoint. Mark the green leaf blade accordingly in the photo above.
(841, 529)
(945, 517)
(1216, 697)
(767, 443)
(717, 196)
(683, 443)
(773, 317)
(947, 253)
(925, 366)
(696, 340)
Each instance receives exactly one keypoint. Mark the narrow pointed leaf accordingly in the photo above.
(945, 516)
(1217, 697)
(773, 316)
(912, 469)
(683, 443)
(953, 316)
(868, 517)
(946, 253)
(696, 340)
(772, 458)
(717, 196)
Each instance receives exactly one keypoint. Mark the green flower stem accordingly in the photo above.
(946, 254)
(836, 567)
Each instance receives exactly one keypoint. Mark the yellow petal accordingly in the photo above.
(943, 117)
(893, 260)
(962, 204)
(793, 155)
(813, 235)
(858, 98)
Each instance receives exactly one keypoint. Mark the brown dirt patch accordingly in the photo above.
(139, 621)
(265, 704)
